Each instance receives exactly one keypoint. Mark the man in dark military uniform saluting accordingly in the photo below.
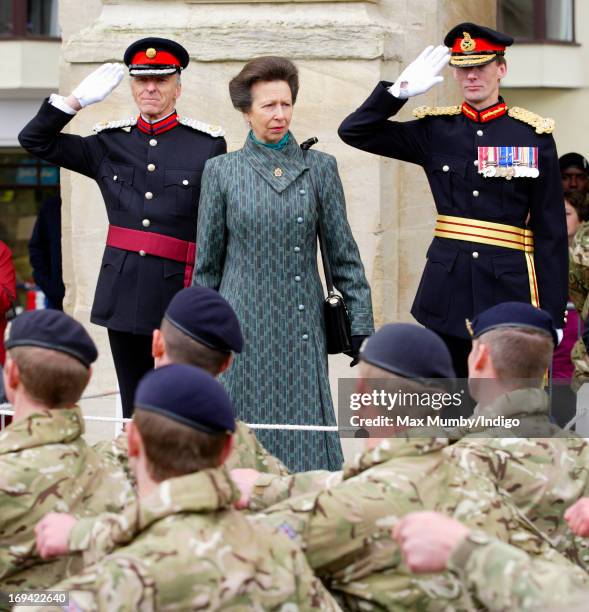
(148, 169)
(490, 168)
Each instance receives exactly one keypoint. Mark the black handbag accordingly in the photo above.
(338, 330)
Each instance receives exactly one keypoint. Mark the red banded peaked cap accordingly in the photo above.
(155, 56)
(475, 45)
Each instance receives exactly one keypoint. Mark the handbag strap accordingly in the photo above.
(305, 146)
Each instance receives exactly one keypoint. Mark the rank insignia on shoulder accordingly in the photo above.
(124, 124)
(542, 125)
(213, 130)
(435, 111)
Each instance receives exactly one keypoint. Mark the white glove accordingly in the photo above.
(559, 335)
(422, 73)
(97, 85)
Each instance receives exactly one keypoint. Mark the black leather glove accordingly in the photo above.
(354, 353)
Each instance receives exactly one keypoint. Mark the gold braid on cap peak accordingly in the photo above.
(435, 111)
(469, 328)
(543, 125)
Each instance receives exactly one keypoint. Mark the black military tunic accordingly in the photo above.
(461, 278)
(149, 183)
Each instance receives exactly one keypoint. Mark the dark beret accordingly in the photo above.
(188, 395)
(514, 315)
(573, 160)
(408, 350)
(55, 330)
(207, 317)
(475, 45)
(155, 56)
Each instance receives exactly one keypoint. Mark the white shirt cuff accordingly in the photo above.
(60, 103)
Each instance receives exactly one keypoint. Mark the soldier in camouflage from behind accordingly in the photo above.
(190, 548)
(44, 462)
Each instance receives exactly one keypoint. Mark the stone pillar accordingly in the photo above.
(342, 50)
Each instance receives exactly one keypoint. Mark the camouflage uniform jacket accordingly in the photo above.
(190, 550)
(542, 475)
(45, 466)
(504, 578)
(345, 530)
(579, 292)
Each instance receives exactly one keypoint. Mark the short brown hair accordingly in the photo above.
(50, 377)
(267, 68)
(181, 348)
(519, 354)
(578, 201)
(173, 449)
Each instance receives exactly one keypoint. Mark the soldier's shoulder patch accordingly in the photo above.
(435, 111)
(124, 124)
(542, 125)
(201, 126)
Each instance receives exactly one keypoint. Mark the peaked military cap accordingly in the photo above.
(408, 350)
(573, 160)
(207, 317)
(55, 330)
(155, 56)
(514, 315)
(475, 45)
(188, 395)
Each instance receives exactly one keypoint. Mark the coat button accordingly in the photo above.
(297, 278)
(146, 222)
(445, 168)
(297, 249)
(115, 177)
(475, 254)
(305, 336)
(148, 195)
(151, 167)
(475, 193)
(301, 307)
(476, 162)
(299, 219)
(479, 132)
(302, 191)
(185, 182)
(153, 142)
(142, 253)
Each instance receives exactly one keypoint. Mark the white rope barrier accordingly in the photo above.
(5, 410)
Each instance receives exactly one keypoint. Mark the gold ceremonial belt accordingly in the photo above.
(484, 232)
(496, 234)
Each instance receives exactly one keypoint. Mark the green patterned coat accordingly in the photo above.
(188, 549)
(45, 466)
(579, 292)
(257, 244)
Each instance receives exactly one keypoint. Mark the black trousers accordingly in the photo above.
(132, 356)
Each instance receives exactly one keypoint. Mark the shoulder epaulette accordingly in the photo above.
(435, 111)
(114, 125)
(543, 125)
(201, 126)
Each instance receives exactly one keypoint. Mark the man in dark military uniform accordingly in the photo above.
(489, 168)
(148, 170)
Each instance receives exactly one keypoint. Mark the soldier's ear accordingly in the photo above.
(158, 345)
(482, 356)
(11, 374)
(133, 440)
(227, 448)
(226, 364)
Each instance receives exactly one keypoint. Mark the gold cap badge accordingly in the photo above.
(151, 53)
(467, 44)
(469, 327)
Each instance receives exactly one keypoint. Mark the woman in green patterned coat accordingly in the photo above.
(257, 245)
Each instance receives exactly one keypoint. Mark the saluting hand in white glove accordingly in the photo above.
(97, 85)
(421, 74)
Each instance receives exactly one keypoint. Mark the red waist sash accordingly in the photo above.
(150, 243)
